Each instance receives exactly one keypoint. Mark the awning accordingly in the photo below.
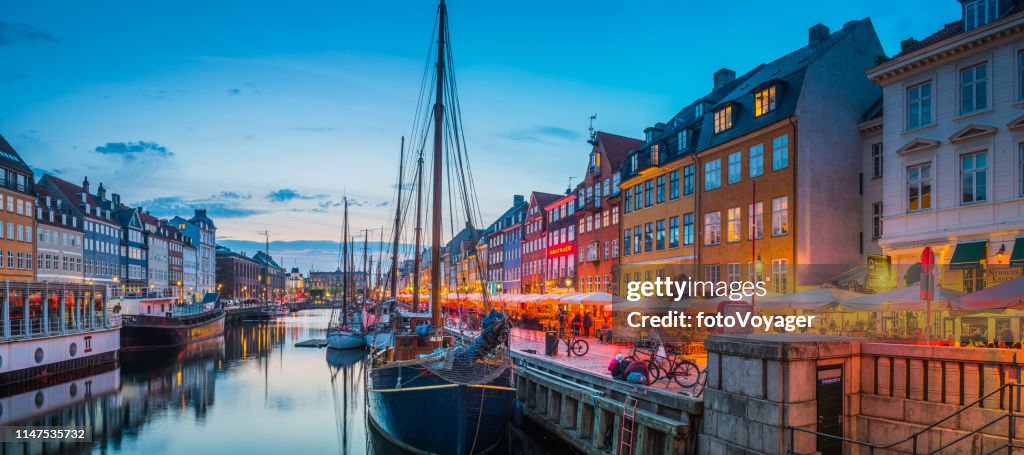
(1017, 256)
(968, 255)
(1005, 295)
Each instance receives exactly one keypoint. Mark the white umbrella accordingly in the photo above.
(902, 299)
(813, 299)
(1005, 295)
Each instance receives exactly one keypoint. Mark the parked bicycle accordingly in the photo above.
(577, 346)
(673, 367)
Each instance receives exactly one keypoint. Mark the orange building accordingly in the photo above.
(17, 216)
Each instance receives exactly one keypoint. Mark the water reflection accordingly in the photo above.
(249, 392)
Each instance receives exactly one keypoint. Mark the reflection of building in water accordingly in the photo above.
(254, 340)
(149, 383)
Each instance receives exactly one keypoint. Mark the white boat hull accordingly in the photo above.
(342, 339)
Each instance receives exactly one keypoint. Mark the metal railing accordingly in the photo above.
(1012, 413)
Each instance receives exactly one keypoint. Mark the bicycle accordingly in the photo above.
(575, 345)
(673, 367)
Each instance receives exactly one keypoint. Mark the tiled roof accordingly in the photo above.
(617, 148)
(952, 29)
(543, 199)
(71, 193)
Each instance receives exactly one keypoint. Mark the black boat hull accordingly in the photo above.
(429, 415)
(143, 333)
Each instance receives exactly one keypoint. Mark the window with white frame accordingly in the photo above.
(735, 167)
(919, 187)
(712, 174)
(733, 272)
(756, 160)
(712, 228)
(713, 273)
(919, 105)
(734, 225)
(780, 152)
(978, 13)
(780, 275)
(755, 212)
(780, 215)
(876, 160)
(974, 89)
(974, 177)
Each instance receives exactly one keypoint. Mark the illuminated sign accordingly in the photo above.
(561, 250)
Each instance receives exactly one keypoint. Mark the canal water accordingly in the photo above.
(250, 392)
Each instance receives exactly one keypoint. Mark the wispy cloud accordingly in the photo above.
(221, 205)
(289, 194)
(132, 150)
(542, 133)
(23, 33)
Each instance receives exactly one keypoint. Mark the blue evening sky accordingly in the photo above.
(266, 112)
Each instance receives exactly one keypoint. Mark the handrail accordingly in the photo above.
(1010, 414)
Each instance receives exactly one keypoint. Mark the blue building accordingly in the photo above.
(506, 244)
(100, 227)
(203, 232)
(133, 253)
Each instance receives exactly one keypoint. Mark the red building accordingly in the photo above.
(561, 250)
(535, 243)
(597, 212)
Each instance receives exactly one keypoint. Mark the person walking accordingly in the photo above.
(588, 322)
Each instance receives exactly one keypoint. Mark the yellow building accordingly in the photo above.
(658, 205)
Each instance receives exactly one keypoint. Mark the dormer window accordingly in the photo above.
(655, 159)
(723, 119)
(698, 110)
(978, 13)
(764, 101)
(683, 139)
(649, 135)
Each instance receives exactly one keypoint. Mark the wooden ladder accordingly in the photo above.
(628, 428)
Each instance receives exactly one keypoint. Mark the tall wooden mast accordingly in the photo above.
(419, 229)
(435, 226)
(398, 220)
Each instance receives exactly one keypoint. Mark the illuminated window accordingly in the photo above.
(764, 101)
(780, 216)
(780, 274)
(655, 155)
(712, 228)
(756, 214)
(734, 225)
(919, 187)
(723, 119)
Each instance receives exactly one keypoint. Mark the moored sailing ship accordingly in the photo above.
(154, 323)
(430, 392)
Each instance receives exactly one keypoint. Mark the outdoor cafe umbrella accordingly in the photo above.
(814, 299)
(589, 298)
(902, 299)
(1006, 295)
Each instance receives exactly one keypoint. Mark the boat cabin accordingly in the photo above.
(414, 336)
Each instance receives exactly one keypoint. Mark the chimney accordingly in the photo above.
(85, 185)
(724, 76)
(116, 198)
(518, 199)
(817, 33)
(101, 192)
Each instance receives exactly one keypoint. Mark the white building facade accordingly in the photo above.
(953, 148)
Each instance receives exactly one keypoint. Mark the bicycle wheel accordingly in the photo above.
(686, 373)
(580, 348)
(654, 371)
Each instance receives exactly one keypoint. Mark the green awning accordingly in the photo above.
(968, 255)
(1017, 256)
